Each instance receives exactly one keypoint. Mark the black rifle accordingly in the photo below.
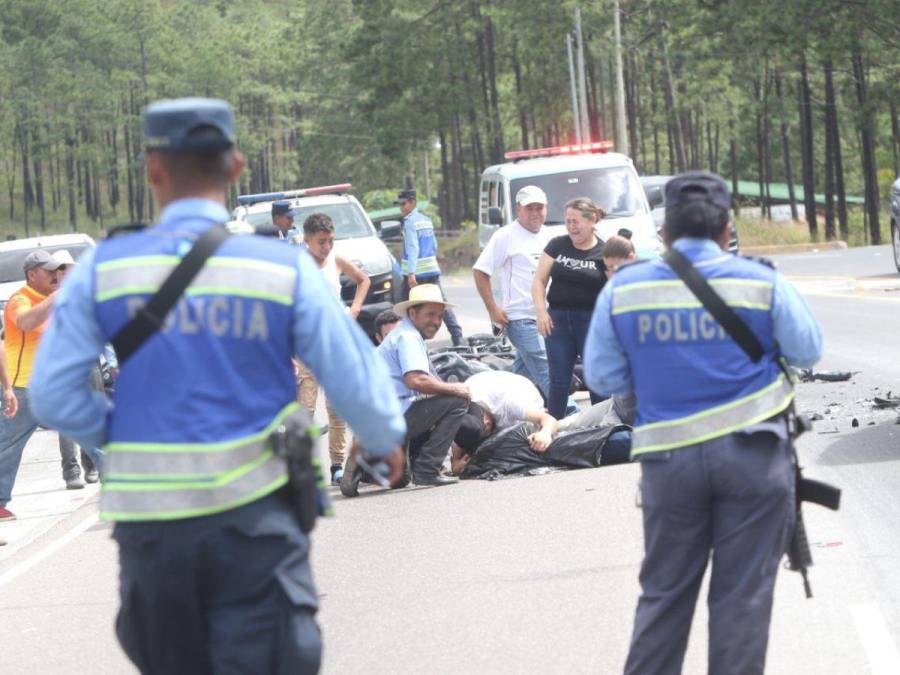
(799, 555)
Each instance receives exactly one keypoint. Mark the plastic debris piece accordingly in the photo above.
(882, 403)
(810, 375)
(854, 423)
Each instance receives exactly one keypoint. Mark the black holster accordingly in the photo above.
(294, 440)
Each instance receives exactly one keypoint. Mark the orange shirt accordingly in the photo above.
(21, 346)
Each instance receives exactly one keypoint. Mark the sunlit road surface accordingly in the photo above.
(540, 574)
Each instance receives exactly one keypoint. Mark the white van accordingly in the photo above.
(564, 173)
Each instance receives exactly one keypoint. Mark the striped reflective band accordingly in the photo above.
(714, 422)
(644, 295)
(140, 501)
(160, 481)
(240, 277)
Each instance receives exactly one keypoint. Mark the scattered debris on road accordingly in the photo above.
(887, 402)
(810, 375)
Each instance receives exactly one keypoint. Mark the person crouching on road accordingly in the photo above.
(318, 237)
(433, 409)
(574, 263)
(711, 434)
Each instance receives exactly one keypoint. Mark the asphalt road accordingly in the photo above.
(540, 574)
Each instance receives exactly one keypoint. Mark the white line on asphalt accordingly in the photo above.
(880, 648)
(28, 563)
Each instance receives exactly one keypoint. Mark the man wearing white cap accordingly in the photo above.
(433, 409)
(513, 252)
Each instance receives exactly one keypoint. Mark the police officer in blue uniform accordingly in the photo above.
(215, 570)
(420, 263)
(711, 433)
(283, 220)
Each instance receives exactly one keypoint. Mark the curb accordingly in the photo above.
(811, 247)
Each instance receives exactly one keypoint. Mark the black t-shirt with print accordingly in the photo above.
(577, 276)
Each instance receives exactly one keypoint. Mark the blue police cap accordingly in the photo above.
(698, 186)
(405, 195)
(189, 124)
(281, 208)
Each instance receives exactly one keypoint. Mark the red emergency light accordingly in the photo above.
(574, 149)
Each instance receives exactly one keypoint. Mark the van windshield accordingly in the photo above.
(616, 190)
(349, 222)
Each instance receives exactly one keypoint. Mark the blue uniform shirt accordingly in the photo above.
(419, 246)
(606, 365)
(404, 351)
(337, 351)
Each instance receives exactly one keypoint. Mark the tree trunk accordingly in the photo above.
(734, 170)
(593, 99)
(672, 107)
(38, 177)
(867, 138)
(895, 137)
(807, 149)
(630, 106)
(498, 144)
(11, 179)
(760, 148)
(829, 157)
(835, 131)
(129, 174)
(444, 207)
(520, 98)
(27, 191)
(786, 149)
(653, 114)
(70, 184)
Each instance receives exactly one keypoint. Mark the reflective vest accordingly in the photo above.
(693, 382)
(194, 406)
(423, 229)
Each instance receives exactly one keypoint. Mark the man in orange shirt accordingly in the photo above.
(24, 320)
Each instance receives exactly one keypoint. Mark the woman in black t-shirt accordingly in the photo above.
(574, 263)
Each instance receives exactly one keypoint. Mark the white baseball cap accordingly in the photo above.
(531, 194)
(63, 257)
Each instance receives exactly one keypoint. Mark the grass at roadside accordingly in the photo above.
(757, 232)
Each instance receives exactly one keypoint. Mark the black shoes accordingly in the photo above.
(434, 481)
(74, 481)
(353, 474)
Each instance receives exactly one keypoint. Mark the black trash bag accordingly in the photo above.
(507, 452)
(455, 367)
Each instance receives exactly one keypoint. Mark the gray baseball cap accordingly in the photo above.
(41, 258)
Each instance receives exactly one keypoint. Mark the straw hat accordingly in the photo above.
(420, 295)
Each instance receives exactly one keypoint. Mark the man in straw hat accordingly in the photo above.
(433, 409)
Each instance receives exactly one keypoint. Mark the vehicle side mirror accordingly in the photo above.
(495, 216)
(390, 230)
(655, 197)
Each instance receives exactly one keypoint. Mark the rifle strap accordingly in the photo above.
(151, 317)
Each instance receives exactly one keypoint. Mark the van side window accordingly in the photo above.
(501, 200)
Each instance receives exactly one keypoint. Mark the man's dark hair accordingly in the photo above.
(617, 247)
(696, 219)
(199, 168)
(317, 222)
(384, 318)
(471, 431)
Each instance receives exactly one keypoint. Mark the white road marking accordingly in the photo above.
(28, 563)
(877, 642)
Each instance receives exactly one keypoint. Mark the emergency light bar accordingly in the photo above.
(340, 188)
(574, 149)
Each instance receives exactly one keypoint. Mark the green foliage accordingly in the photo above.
(386, 92)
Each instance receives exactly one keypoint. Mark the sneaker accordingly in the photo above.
(74, 482)
(6, 514)
(91, 475)
(337, 472)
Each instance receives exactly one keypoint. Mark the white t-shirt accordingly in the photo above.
(505, 395)
(515, 251)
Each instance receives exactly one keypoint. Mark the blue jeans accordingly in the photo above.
(531, 355)
(14, 435)
(564, 344)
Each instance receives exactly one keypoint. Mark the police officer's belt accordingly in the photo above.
(151, 317)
